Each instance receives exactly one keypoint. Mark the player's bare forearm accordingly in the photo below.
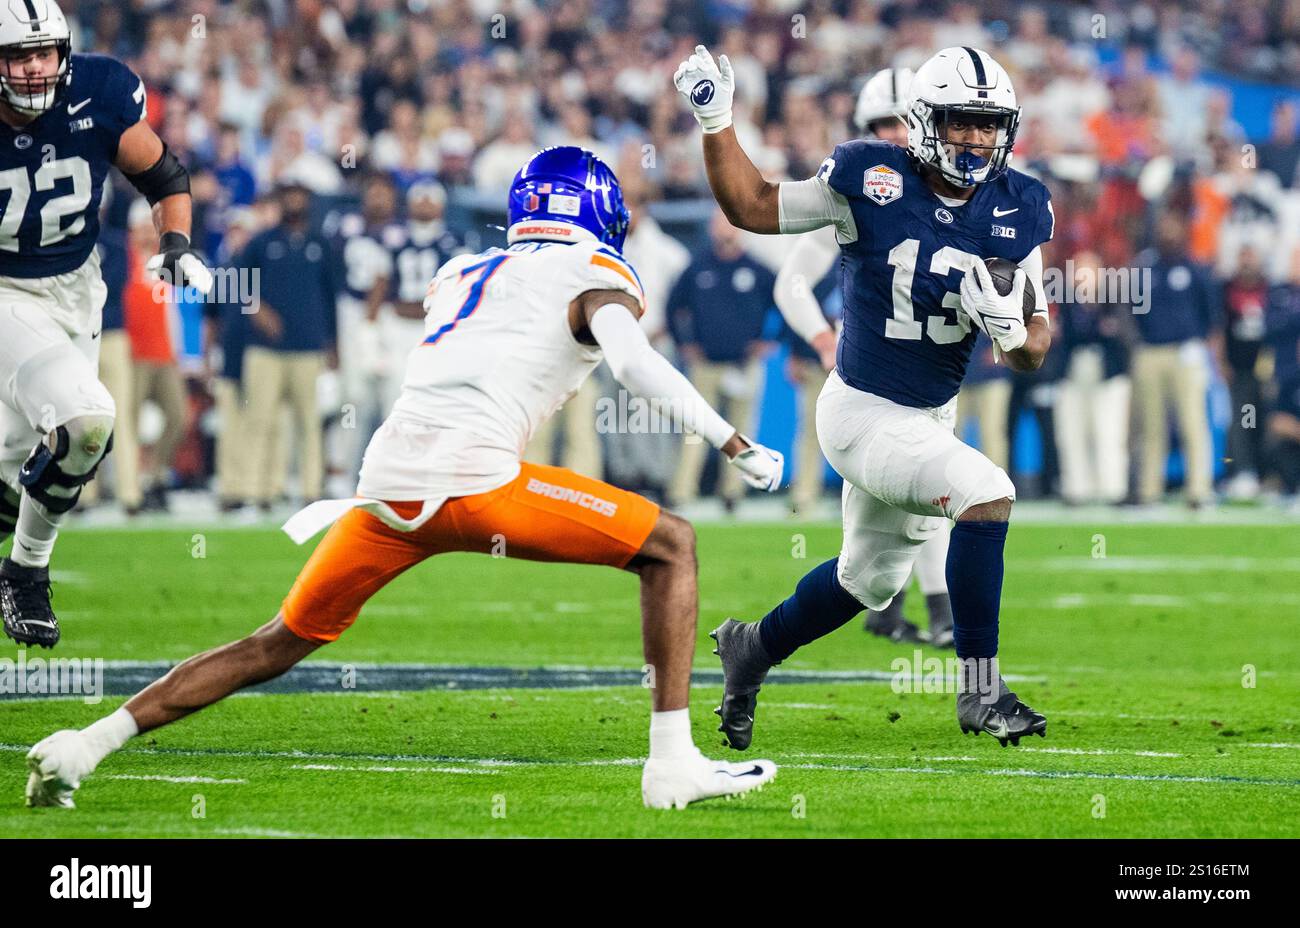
(1030, 355)
(140, 149)
(747, 199)
(735, 444)
(174, 214)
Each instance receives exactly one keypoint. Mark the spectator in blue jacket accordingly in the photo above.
(1172, 363)
(716, 313)
(290, 339)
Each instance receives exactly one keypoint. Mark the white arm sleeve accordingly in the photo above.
(648, 374)
(812, 256)
(805, 205)
(1033, 266)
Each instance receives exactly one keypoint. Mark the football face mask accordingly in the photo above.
(974, 144)
(31, 77)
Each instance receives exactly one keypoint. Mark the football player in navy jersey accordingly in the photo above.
(64, 119)
(914, 226)
(364, 268)
(417, 248)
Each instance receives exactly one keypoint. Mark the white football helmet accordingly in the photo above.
(30, 24)
(883, 96)
(961, 81)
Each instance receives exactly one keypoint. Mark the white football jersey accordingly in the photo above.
(497, 360)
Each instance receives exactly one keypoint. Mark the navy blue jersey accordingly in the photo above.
(52, 170)
(902, 339)
(416, 260)
(359, 256)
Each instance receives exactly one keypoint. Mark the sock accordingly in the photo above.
(670, 734)
(110, 733)
(891, 615)
(9, 501)
(980, 675)
(940, 608)
(35, 534)
(974, 574)
(818, 606)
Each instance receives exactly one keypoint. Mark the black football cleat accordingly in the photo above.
(1008, 719)
(896, 628)
(25, 603)
(744, 668)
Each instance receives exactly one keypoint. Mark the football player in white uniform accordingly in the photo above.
(915, 227)
(64, 120)
(880, 114)
(509, 336)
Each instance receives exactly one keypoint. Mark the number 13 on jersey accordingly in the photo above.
(904, 325)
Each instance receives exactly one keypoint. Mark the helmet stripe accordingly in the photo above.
(980, 77)
(33, 16)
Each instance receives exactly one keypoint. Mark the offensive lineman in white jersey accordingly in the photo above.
(509, 336)
(879, 114)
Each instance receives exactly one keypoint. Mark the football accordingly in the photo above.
(1003, 273)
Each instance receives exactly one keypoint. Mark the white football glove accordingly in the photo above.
(1001, 318)
(708, 87)
(760, 467)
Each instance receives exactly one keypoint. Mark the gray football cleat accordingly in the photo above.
(1007, 719)
(744, 668)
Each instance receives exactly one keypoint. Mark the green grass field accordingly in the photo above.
(1143, 662)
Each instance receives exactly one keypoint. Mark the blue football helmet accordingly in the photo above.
(567, 194)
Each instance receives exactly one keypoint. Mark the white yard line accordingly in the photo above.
(171, 779)
(494, 763)
(377, 769)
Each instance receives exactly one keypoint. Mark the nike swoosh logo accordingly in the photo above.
(95, 336)
(1000, 326)
(74, 110)
(756, 770)
(1000, 213)
(999, 730)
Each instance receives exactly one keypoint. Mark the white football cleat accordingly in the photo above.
(673, 783)
(58, 764)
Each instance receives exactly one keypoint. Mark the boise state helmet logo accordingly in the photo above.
(702, 93)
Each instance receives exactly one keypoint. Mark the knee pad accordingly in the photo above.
(66, 461)
(875, 584)
(979, 482)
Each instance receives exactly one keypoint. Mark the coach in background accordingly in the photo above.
(116, 374)
(1240, 343)
(225, 337)
(291, 336)
(716, 315)
(152, 323)
(1171, 364)
(1094, 395)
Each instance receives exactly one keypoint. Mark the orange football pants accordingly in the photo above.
(544, 514)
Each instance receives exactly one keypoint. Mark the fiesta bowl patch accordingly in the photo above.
(882, 184)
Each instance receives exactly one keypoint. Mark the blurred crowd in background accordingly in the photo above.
(346, 147)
